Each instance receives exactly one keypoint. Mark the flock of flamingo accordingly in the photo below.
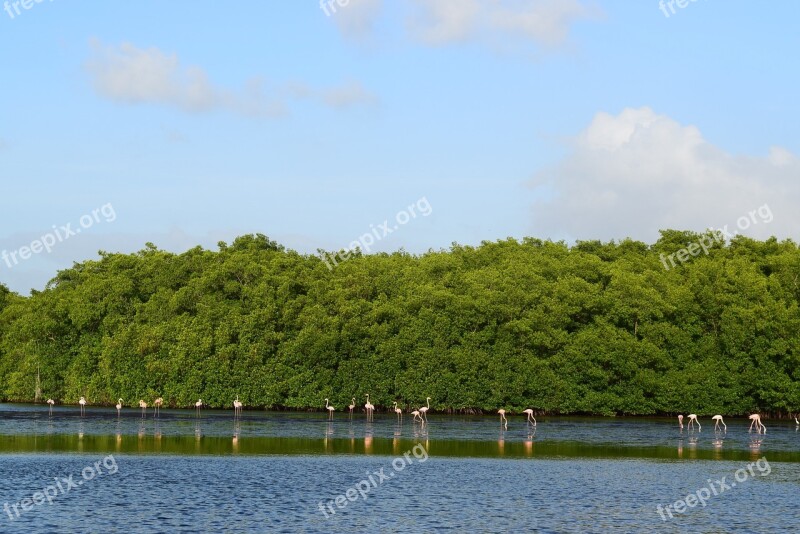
(421, 414)
(237, 406)
(755, 421)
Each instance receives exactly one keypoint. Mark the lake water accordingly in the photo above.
(283, 472)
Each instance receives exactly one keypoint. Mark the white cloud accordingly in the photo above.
(347, 95)
(357, 19)
(543, 22)
(632, 174)
(131, 75)
(446, 21)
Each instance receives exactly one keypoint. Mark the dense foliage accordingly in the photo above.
(597, 327)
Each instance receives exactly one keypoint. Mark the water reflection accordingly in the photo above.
(328, 435)
(501, 442)
(236, 431)
(182, 432)
(529, 442)
(258, 445)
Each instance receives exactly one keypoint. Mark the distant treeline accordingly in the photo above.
(594, 328)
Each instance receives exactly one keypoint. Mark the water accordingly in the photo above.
(282, 472)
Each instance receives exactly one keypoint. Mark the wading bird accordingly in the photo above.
(119, 406)
(82, 402)
(756, 420)
(530, 415)
(692, 420)
(680, 420)
(198, 405)
(330, 409)
(398, 411)
(352, 406)
(718, 419)
(415, 413)
(795, 418)
(423, 412)
(157, 406)
(502, 413)
(370, 409)
(143, 406)
(51, 402)
(237, 406)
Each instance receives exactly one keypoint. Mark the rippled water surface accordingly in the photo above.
(283, 472)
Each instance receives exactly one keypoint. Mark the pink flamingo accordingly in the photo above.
(370, 409)
(692, 420)
(502, 413)
(680, 420)
(119, 406)
(237, 406)
(330, 409)
(756, 420)
(530, 415)
(352, 407)
(423, 412)
(157, 406)
(51, 402)
(82, 402)
(416, 415)
(398, 411)
(198, 405)
(718, 419)
(143, 406)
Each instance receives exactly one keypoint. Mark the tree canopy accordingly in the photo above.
(595, 328)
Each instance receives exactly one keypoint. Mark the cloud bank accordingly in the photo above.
(130, 75)
(544, 23)
(632, 174)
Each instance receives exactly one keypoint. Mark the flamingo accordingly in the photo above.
(330, 409)
(502, 413)
(756, 420)
(198, 405)
(119, 406)
(718, 419)
(82, 402)
(157, 406)
(370, 409)
(143, 406)
(352, 406)
(51, 402)
(415, 413)
(530, 415)
(423, 412)
(692, 420)
(237, 406)
(398, 411)
(680, 420)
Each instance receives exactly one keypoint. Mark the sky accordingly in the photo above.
(421, 123)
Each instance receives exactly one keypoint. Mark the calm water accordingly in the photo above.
(283, 472)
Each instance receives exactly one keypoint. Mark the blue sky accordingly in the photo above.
(565, 119)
